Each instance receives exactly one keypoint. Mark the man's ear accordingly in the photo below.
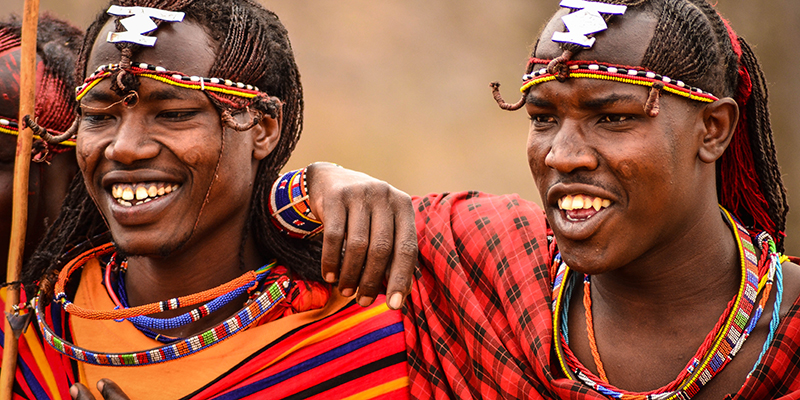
(719, 120)
(266, 135)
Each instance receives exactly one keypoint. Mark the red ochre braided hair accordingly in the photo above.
(693, 43)
(257, 52)
(58, 44)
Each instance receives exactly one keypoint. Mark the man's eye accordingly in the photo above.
(178, 115)
(543, 119)
(95, 118)
(616, 118)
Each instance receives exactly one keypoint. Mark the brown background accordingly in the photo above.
(398, 88)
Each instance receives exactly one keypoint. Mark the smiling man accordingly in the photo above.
(657, 271)
(163, 263)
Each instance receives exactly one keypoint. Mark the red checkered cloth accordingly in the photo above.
(478, 323)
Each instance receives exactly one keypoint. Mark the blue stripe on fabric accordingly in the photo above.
(36, 388)
(312, 363)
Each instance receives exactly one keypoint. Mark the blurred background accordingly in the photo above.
(399, 88)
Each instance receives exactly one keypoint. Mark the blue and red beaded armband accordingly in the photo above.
(288, 205)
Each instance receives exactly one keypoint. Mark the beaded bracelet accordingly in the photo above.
(289, 207)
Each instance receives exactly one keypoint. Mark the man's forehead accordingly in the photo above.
(181, 46)
(624, 42)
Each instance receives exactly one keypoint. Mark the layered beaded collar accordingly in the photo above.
(617, 73)
(161, 74)
(270, 301)
(722, 343)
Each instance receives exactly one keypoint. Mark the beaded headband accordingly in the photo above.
(161, 74)
(616, 73)
(11, 127)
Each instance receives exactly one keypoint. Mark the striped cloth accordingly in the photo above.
(355, 353)
(480, 309)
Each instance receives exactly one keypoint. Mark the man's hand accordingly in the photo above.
(106, 387)
(369, 227)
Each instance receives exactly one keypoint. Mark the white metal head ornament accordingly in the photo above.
(585, 22)
(139, 22)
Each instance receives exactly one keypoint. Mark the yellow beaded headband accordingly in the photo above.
(161, 74)
(11, 127)
(616, 73)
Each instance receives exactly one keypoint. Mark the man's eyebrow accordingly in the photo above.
(538, 101)
(602, 102)
(101, 96)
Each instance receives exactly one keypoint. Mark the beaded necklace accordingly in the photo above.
(194, 315)
(248, 316)
(722, 343)
(152, 308)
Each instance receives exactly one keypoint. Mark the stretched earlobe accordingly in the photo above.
(266, 135)
(719, 120)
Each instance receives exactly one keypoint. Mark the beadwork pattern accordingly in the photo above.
(11, 127)
(617, 73)
(161, 74)
(249, 315)
(289, 206)
(727, 341)
(153, 308)
(194, 315)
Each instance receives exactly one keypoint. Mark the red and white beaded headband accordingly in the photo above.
(214, 85)
(616, 73)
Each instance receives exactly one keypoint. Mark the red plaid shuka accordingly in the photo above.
(478, 324)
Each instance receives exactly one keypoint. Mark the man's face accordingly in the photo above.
(616, 184)
(162, 172)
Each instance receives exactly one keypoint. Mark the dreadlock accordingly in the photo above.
(257, 51)
(692, 42)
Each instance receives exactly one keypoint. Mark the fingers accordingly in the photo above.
(404, 256)
(333, 240)
(379, 255)
(356, 245)
(110, 390)
(80, 392)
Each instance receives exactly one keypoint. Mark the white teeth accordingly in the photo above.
(566, 203)
(142, 193)
(582, 202)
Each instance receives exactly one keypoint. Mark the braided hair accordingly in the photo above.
(58, 43)
(257, 51)
(693, 43)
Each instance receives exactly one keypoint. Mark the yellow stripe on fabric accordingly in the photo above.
(384, 388)
(41, 361)
(336, 329)
(669, 89)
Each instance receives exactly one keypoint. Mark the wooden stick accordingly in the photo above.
(19, 223)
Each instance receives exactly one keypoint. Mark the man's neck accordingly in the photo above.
(153, 279)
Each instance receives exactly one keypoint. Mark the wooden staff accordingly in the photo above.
(19, 223)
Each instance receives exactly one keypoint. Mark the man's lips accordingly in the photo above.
(132, 194)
